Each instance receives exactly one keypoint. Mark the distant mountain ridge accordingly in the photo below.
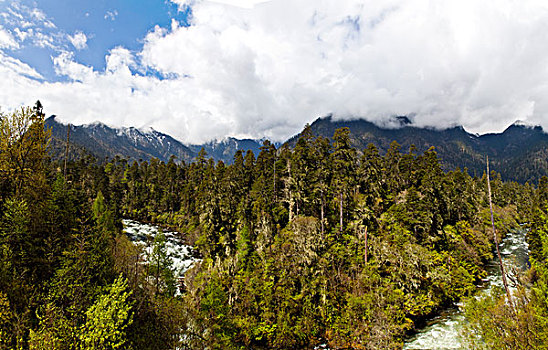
(520, 153)
(225, 149)
(101, 141)
(104, 141)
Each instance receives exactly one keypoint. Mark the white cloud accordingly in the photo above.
(38, 14)
(111, 15)
(44, 40)
(241, 3)
(78, 40)
(21, 34)
(183, 3)
(7, 41)
(49, 24)
(14, 11)
(30, 25)
(280, 64)
(12, 67)
(65, 65)
(237, 3)
(266, 70)
(119, 59)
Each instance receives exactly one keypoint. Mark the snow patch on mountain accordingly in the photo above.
(525, 124)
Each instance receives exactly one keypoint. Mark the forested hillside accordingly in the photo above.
(520, 153)
(315, 244)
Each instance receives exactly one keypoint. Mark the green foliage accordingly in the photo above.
(493, 323)
(283, 241)
(15, 233)
(54, 331)
(316, 244)
(6, 321)
(108, 318)
(23, 143)
(103, 216)
(160, 266)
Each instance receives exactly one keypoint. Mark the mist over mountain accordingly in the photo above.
(520, 153)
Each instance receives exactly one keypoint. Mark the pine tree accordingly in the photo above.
(160, 266)
(321, 178)
(344, 161)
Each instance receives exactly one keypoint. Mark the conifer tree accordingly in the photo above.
(160, 266)
(343, 159)
(321, 177)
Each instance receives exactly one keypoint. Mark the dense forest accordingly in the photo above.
(316, 244)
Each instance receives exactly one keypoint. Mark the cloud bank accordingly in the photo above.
(265, 68)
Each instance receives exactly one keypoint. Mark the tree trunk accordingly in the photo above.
(341, 212)
(274, 181)
(322, 215)
(366, 248)
(66, 154)
(289, 180)
(157, 274)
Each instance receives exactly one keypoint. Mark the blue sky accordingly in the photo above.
(206, 69)
(105, 24)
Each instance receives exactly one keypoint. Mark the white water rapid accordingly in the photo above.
(442, 332)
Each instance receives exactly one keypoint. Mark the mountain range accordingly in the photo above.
(520, 153)
(101, 141)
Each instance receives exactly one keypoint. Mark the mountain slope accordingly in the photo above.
(520, 153)
(225, 149)
(103, 141)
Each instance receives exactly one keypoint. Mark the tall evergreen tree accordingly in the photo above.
(344, 162)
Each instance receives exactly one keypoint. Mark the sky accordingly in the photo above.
(201, 70)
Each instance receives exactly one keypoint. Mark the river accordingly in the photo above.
(442, 332)
(182, 256)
